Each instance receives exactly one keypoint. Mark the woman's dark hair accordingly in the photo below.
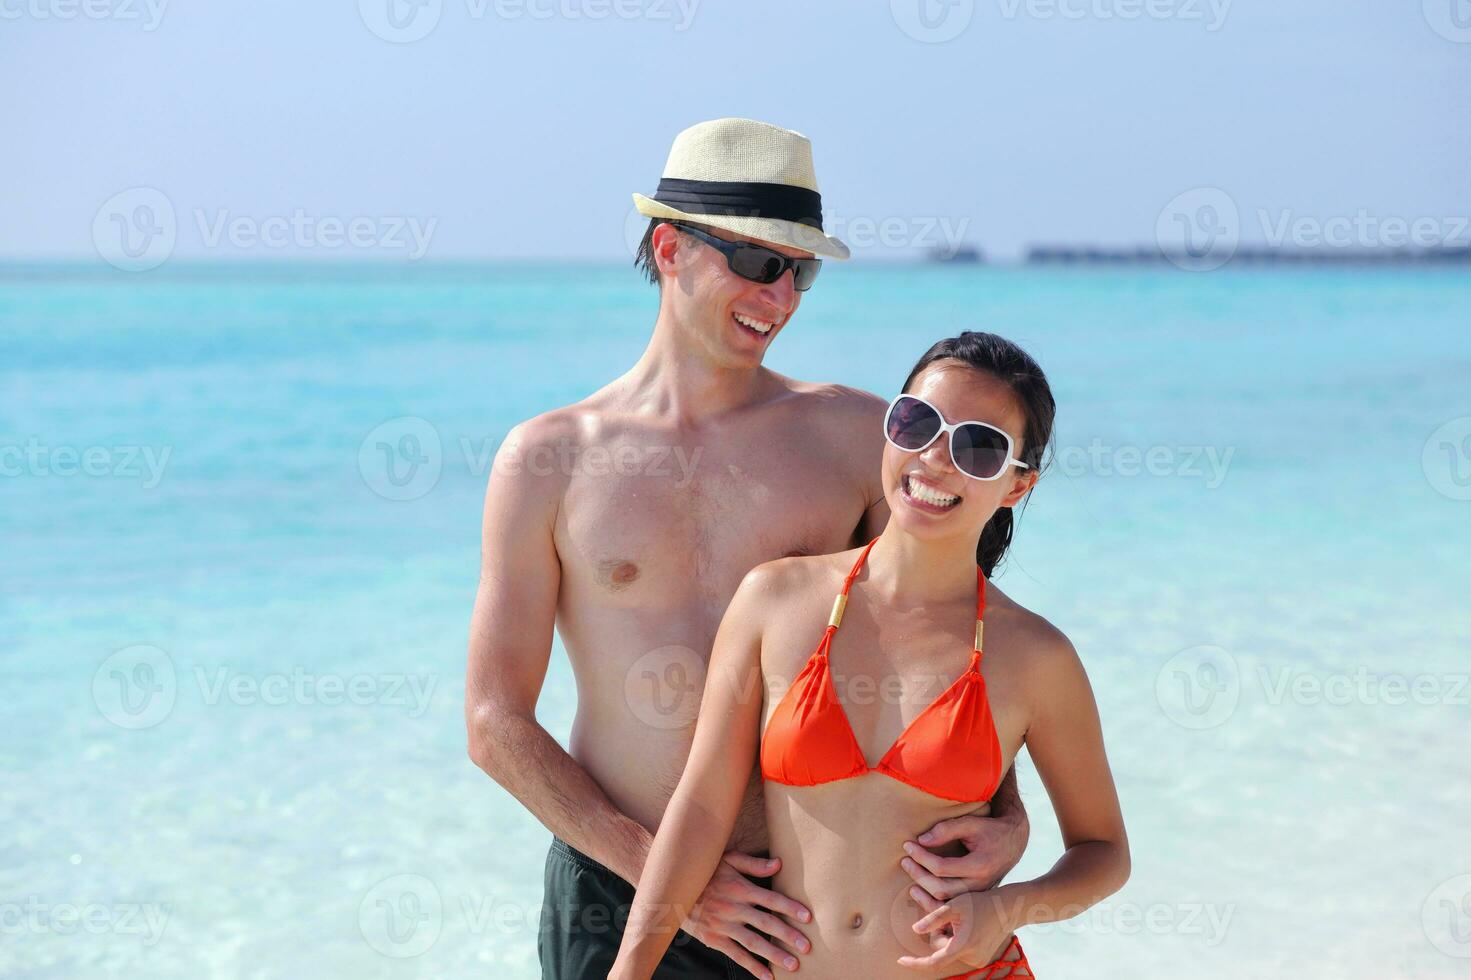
(1003, 359)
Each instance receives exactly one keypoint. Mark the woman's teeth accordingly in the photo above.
(760, 326)
(927, 494)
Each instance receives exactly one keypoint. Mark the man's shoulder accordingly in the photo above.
(534, 451)
(557, 425)
(838, 404)
(580, 423)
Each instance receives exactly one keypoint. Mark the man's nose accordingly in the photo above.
(782, 294)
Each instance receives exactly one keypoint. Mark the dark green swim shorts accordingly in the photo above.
(583, 914)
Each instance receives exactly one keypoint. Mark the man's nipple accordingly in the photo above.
(618, 574)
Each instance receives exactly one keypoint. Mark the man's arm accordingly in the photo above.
(510, 647)
(702, 812)
(875, 519)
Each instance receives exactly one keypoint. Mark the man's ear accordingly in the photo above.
(665, 244)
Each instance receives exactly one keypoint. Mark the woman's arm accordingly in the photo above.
(1065, 739)
(702, 813)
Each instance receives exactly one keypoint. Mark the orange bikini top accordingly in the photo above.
(950, 750)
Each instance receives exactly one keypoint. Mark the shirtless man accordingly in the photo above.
(626, 521)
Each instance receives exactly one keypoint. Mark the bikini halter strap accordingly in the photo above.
(841, 602)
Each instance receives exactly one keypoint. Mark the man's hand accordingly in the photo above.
(993, 847)
(732, 907)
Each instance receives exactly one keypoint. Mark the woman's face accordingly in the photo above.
(927, 495)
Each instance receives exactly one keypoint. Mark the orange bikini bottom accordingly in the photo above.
(1019, 967)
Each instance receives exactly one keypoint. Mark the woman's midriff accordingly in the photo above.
(840, 845)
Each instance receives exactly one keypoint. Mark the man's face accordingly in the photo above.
(734, 318)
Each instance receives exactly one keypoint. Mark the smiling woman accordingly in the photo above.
(913, 598)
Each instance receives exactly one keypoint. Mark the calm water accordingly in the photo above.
(234, 605)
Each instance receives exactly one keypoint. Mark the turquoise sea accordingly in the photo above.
(239, 515)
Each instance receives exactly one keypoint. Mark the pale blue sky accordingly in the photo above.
(503, 134)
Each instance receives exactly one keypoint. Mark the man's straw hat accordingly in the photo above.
(748, 177)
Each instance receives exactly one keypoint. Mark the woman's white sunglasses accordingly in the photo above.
(978, 449)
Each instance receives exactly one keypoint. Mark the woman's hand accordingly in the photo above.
(969, 928)
(733, 907)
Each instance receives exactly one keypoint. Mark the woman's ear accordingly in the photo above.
(1020, 487)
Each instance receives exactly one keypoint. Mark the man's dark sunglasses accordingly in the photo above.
(757, 263)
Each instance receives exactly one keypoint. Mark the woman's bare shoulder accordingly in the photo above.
(794, 580)
(1038, 643)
